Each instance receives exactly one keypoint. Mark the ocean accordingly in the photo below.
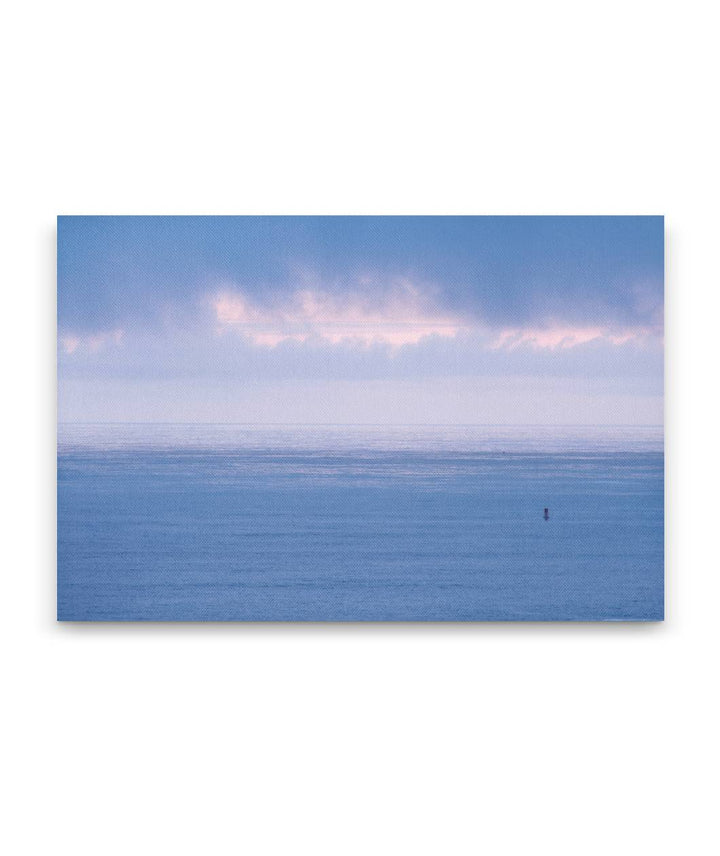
(359, 523)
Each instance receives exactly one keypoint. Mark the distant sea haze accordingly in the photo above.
(359, 523)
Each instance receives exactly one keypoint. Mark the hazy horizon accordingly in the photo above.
(384, 424)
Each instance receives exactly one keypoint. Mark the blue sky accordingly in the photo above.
(370, 319)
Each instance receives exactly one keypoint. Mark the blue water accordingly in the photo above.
(239, 522)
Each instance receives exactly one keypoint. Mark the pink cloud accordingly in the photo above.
(566, 336)
(404, 315)
(90, 342)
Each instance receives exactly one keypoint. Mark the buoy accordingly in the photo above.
(546, 514)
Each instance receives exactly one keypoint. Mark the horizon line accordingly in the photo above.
(389, 424)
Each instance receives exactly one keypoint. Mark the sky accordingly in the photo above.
(443, 320)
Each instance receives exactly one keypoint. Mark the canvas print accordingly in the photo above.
(360, 419)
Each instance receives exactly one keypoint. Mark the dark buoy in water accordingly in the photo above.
(546, 514)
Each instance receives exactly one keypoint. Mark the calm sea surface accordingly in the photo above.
(243, 522)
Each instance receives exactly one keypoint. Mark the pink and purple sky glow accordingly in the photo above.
(552, 320)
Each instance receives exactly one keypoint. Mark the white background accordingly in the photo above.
(359, 739)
